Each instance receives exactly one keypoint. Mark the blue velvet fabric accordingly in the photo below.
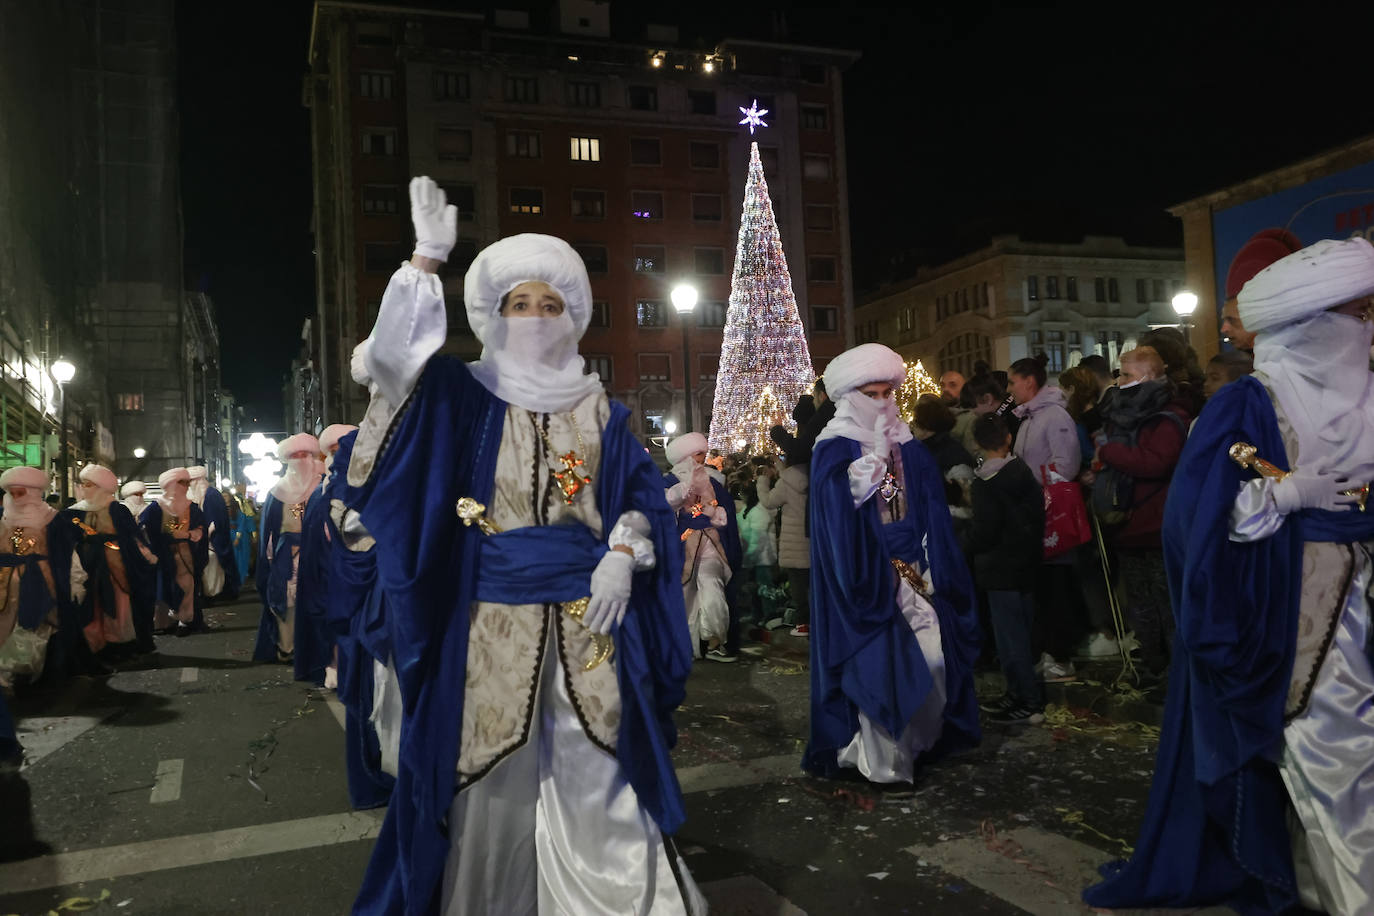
(35, 601)
(443, 447)
(141, 575)
(274, 575)
(863, 653)
(314, 648)
(729, 535)
(168, 591)
(222, 541)
(1214, 829)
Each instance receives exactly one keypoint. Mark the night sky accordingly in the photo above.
(961, 124)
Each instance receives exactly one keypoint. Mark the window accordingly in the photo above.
(820, 217)
(522, 89)
(601, 314)
(825, 318)
(464, 197)
(600, 365)
(449, 85)
(1113, 291)
(453, 143)
(646, 204)
(129, 403)
(711, 314)
(381, 257)
(1075, 339)
(768, 158)
(707, 208)
(381, 199)
(813, 73)
(983, 299)
(1159, 290)
(376, 85)
(588, 204)
(645, 151)
(701, 101)
(701, 155)
(815, 117)
(1051, 287)
(649, 259)
(650, 313)
(527, 200)
(379, 141)
(816, 167)
(821, 269)
(523, 144)
(709, 260)
(584, 95)
(643, 98)
(1032, 288)
(594, 256)
(1071, 285)
(1100, 289)
(584, 149)
(1142, 293)
(905, 320)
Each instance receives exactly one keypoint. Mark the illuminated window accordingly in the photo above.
(585, 149)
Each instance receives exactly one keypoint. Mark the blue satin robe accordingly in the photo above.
(222, 541)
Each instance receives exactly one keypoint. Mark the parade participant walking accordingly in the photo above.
(228, 578)
(314, 655)
(132, 495)
(713, 551)
(893, 623)
(241, 523)
(1263, 796)
(531, 777)
(279, 546)
(175, 529)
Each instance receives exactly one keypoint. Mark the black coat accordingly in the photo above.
(1006, 538)
(947, 451)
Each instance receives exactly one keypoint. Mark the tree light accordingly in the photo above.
(140, 452)
(1185, 303)
(684, 297)
(63, 371)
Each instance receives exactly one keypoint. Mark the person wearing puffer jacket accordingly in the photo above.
(788, 491)
(758, 532)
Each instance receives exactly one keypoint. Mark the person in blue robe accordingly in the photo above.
(709, 532)
(217, 525)
(314, 658)
(242, 527)
(894, 632)
(1263, 791)
(534, 771)
(175, 529)
(279, 552)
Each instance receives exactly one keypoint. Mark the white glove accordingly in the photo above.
(357, 368)
(610, 591)
(1316, 489)
(683, 470)
(435, 219)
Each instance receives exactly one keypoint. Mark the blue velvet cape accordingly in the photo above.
(863, 653)
(1215, 829)
(168, 591)
(314, 643)
(222, 541)
(141, 574)
(441, 447)
(729, 535)
(273, 576)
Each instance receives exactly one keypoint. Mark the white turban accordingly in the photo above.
(198, 472)
(170, 475)
(870, 362)
(32, 478)
(300, 442)
(332, 434)
(504, 265)
(30, 510)
(133, 486)
(102, 477)
(686, 445)
(1312, 280)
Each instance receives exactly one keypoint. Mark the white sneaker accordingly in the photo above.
(1057, 671)
(1045, 659)
(1100, 646)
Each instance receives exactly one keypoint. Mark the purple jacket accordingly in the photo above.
(1048, 436)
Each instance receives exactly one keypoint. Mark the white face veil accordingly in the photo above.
(856, 414)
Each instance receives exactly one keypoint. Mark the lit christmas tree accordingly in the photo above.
(918, 382)
(765, 345)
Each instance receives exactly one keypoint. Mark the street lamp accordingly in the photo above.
(63, 372)
(684, 297)
(140, 452)
(1185, 303)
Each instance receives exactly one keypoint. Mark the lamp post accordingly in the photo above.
(684, 298)
(140, 452)
(63, 372)
(1185, 303)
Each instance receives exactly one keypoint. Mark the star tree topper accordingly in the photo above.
(753, 116)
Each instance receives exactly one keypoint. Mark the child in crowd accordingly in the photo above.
(759, 534)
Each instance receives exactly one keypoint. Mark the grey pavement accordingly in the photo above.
(202, 782)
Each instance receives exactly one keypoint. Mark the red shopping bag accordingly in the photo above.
(1066, 516)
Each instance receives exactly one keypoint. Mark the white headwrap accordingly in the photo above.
(856, 414)
(133, 491)
(29, 511)
(1315, 361)
(105, 480)
(329, 439)
(531, 362)
(200, 483)
(173, 506)
(302, 474)
(684, 445)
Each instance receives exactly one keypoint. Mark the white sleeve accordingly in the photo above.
(78, 579)
(677, 495)
(866, 474)
(632, 531)
(411, 325)
(720, 517)
(1254, 516)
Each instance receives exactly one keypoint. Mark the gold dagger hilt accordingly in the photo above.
(1244, 454)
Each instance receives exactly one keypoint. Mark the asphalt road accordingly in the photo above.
(206, 783)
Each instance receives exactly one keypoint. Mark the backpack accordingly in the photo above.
(1113, 494)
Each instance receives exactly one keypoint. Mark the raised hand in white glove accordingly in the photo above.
(435, 219)
(611, 581)
(684, 468)
(1313, 489)
(357, 368)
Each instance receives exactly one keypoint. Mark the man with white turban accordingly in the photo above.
(533, 776)
(315, 659)
(894, 630)
(120, 590)
(279, 546)
(227, 578)
(709, 532)
(1263, 795)
(132, 494)
(175, 529)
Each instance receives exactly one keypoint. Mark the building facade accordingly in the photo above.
(1015, 299)
(631, 151)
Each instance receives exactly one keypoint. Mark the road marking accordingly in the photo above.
(190, 675)
(41, 735)
(182, 851)
(711, 776)
(167, 784)
(337, 709)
